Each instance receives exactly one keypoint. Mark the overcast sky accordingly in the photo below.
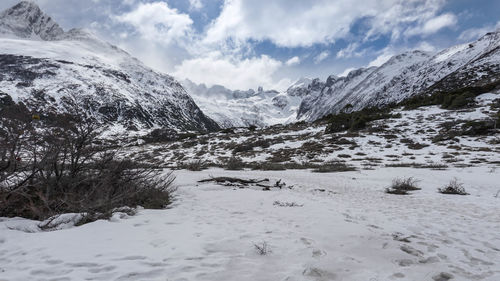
(242, 44)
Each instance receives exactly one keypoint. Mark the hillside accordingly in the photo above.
(51, 71)
(458, 68)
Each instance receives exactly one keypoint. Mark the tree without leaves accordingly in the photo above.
(53, 166)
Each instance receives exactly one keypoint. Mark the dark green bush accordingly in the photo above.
(249, 146)
(357, 120)
(478, 128)
(234, 164)
(457, 101)
(452, 99)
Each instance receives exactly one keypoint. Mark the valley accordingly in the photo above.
(113, 170)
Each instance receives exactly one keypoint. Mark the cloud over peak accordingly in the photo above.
(277, 40)
(158, 22)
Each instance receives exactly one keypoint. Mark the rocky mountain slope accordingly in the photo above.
(472, 65)
(55, 71)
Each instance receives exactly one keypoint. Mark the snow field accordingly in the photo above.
(346, 229)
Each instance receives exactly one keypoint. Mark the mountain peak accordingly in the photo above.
(27, 20)
(25, 5)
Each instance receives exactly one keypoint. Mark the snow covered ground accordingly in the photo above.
(411, 140)
(342, 227)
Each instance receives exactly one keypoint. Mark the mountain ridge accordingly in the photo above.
(48, 70)
(243, 108)
(403, 76)
(406, 75)
(27, 20)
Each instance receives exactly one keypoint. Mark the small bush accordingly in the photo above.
(270, 166)
(266, 166)
(344, 156)
(252, 128)
(356, 120)
(235, 164)
(286, 204)
(249, 146)
(262, 248)
(193, 165)
(454, 187)
(243, 148)
(461, 97)
(331, 167)
(312, 146)
(161, 135)
(478, 128)
(402, 186)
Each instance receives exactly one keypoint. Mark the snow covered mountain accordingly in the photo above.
(245, 108)
(51, 70)
(26, 20)
(476, 64)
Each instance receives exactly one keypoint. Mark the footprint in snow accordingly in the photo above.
(319, 274)
(102, 269)
(132, 258)
(51, 272)
(83, 264)
(443, 276)
(317, 253)
(306, 241)
(141, 275)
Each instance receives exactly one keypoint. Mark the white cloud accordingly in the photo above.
(474, 33)
(157, 22)
(381, 59)
(434, 24)
(438, 23)
(321, 57)
(195, 4)
(293, 61)
(128, 2)
(304, 23)
(350, 51)
(426, 47)
(233, 73)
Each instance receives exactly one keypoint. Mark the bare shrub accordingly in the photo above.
(286, 204)
(266, 166)
(51, 166)
(193, 165)
(402, 186)
(250, 144)
(331, 167)
(234, 164)
(270, 166)
(262, 248)
(454, 187)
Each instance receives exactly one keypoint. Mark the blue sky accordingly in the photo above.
(246, 43)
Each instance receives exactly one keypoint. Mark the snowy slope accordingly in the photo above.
(26, 20)
(77, 67)
(321, 226)
(343, 227)
(244, 108)
(476, 64)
